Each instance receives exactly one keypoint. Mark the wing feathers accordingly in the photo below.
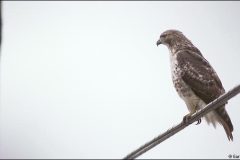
(200, 76)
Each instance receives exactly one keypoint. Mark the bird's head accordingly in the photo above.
(169, 37)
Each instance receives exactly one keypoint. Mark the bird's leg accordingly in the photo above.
(188, 116)
(198, 121)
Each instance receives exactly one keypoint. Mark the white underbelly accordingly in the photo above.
(192, 101)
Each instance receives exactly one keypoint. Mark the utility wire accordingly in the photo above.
(211, 106)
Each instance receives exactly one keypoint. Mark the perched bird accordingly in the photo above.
(194, 79)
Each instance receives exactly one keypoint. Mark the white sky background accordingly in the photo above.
(86, 79)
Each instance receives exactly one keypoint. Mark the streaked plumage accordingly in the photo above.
(195, 80)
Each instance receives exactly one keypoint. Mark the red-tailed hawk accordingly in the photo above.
(195, 80)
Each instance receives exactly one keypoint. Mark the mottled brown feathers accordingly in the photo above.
(199, 75)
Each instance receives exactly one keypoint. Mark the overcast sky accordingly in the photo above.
(86, 79)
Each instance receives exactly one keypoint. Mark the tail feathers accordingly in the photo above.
(221, 116)
(225, 121)
(227, 130)
(211, 118)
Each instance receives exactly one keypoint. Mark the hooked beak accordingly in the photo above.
(159, 42)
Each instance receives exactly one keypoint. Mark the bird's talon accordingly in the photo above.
(186, 118)
(199, 121)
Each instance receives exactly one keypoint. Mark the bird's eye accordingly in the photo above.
(163, 35)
